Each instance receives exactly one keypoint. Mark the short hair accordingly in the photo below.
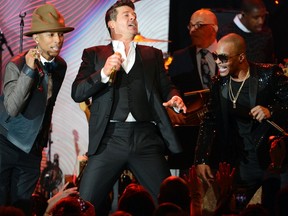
(71, 206)
(168, 208)
(136, 200)
(111, 13)
(249, 5)
(175, 189)
(236, 41)
(11, 210)
(120, 213)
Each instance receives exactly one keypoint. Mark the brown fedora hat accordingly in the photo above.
(47, 19)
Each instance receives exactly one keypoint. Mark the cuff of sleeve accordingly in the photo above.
(270, 108)
(104, 78)
(28, 71)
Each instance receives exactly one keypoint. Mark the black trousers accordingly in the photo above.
(19, 173)
(137, 146)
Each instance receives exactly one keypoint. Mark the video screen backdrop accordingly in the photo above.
(69, 134)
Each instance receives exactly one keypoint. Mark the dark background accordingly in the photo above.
(225, 10)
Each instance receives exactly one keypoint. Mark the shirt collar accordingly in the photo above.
(211, 48)
(43, 60)
(119, 45)
(238, 23)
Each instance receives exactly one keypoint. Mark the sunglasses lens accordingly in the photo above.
(215, 56)
(223, 58)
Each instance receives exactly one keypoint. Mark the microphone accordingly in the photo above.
(196, 92)
(277, 127)
(112, 77)
(39, 67)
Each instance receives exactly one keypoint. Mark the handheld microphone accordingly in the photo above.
(277, 127)
(112, 77)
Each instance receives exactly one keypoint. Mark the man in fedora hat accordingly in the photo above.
(26, 106)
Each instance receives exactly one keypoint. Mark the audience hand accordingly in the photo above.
(193, 180)
(196, 191)
(224, 178)
(61, 194)
(277, 152)
(205, 173)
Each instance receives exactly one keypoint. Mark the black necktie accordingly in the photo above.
(50, 66)
(205, 70)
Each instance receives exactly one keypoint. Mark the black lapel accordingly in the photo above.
(253, 85)
(145, 58)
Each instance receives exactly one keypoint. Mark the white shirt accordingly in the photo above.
(238, 23)
(50, 81)
(209, 58)
(127, 64)
(129, 60)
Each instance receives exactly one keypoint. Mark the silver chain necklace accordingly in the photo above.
(231, 95)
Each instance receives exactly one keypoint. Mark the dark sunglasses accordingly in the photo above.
(223, 57)
(197, 25)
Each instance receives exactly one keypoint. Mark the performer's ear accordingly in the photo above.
(35, 38)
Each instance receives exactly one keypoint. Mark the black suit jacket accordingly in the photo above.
(158, 88)
(268, 87)
(184, 71)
